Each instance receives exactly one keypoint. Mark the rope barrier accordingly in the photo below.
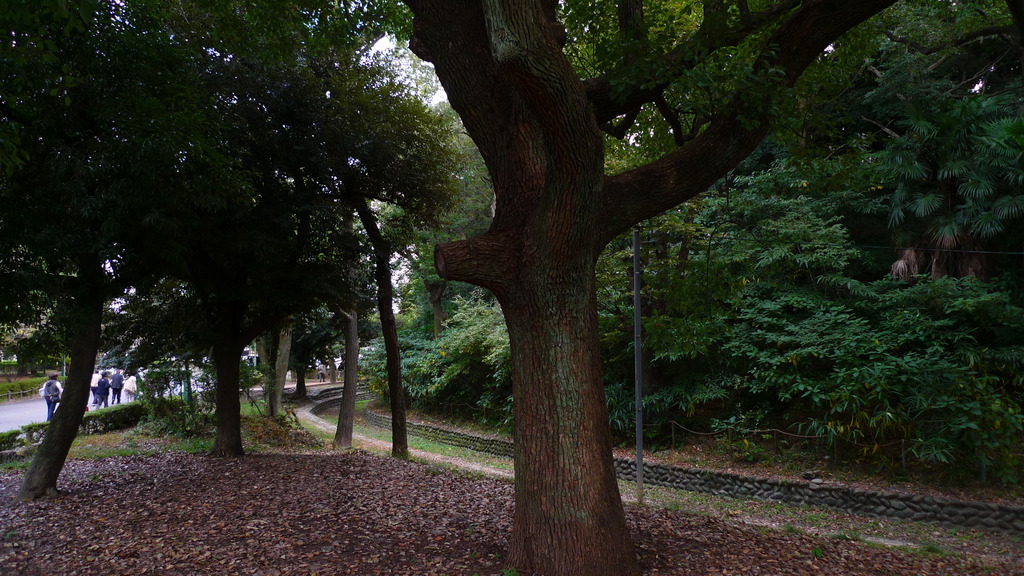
(745, 432)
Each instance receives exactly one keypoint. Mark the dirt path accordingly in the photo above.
(305, 413)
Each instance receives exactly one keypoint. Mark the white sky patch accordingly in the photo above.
(387, 46)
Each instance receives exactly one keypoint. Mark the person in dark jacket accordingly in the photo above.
(103, 390)
(51, 392)
(116, 384)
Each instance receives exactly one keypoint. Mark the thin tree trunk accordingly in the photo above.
(300, 381)
(226, 358)
(436, 291)
(41, 478)
(347, 410)
(284, 348)
(264, 351)
(385, 306)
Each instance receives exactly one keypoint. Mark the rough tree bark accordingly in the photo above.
(41, 478)
(347, 410)
(227, 354)
(385, 307)
(536, 125)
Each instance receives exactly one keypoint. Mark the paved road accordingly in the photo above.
(17, 413)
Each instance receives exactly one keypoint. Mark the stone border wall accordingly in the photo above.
(333, 394)
(946, 512)
(493, 446)
(951, 513)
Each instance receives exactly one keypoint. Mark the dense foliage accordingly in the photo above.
(464, 373)
(857, 279)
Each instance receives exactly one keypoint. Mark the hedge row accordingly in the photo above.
(120, 417)
(9, 390)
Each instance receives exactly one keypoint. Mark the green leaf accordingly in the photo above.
(925, 204)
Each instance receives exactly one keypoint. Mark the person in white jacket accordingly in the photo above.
(51, 392)
(130, 388)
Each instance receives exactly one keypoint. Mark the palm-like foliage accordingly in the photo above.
(958, 173)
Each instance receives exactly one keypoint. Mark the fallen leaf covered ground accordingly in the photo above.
(327, 513)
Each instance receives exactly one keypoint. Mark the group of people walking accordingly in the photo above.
(106, 387)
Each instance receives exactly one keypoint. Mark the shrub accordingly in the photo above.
(119, 417)
(932, 365)
(26, 385)
(34, 432)
(10, 440)
(282, 431)
(172, 415)
(466, 372)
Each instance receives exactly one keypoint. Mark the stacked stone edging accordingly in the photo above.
(330, 398)
(954, 513)
(492, 446)
(951, 513)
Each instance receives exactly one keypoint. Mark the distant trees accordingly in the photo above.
(201, 177)
(79, 141)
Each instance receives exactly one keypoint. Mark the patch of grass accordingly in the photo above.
(931, 548)
(89, 453)
(100, 446)
(817, 518)
(425, 445)
(191, 445)
(15, 465)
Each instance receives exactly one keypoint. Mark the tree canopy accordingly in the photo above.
(536, 83)
(204, 159)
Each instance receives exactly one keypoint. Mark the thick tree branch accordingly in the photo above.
(711, 36)
(962, 40)
(620, 130)
(734, 132)
(484, 261)
(672, 118)
(631, 20)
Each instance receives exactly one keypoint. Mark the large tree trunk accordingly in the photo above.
(41, 478)
(347, 410)
(539, 260)
(567, 503)
(536, 125)
(227, 356)
(385, 308)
